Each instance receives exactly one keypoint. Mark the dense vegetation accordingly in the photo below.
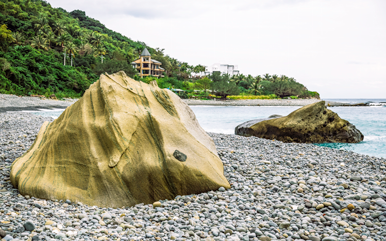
(45, 50)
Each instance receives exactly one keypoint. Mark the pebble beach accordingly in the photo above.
(279, 191)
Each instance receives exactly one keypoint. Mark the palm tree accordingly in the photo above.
(238, 78)
(255, 87)
(71, 49)
(274, 78)
(51, 38)
(18, 38)
(267, 77)
(39, 42)
(60, 28)
(97, 39)
(73, 30)
(62, 39)
(258, 79)
(40, 22)
(283, 78)
(99, 50)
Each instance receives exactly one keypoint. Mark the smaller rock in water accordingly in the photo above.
(313, 123)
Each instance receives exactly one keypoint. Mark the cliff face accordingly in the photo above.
(124, 142)
(313, 123)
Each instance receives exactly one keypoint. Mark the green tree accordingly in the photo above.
(5, 37)
(255, 87)
(203, 83)
(18, 38)
(222, 86)
(39, 42)
(60, 28)
(113, 66)
(72, 50)
(267, 77)
(62, 40)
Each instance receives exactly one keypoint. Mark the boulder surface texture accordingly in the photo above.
(124, 142)
(312, 123)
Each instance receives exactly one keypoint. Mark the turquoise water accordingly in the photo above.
(371, 121)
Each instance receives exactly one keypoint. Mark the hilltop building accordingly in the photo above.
(225, 69)
(222, 68)
(147, 66)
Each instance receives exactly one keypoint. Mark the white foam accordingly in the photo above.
(374, 138)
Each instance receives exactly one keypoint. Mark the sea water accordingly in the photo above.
(370, 120)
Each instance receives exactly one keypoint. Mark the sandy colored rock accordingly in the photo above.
(123, 143)
(343, 223)
(157, 204)
(320, 206)
(313, 123)
(350, 206)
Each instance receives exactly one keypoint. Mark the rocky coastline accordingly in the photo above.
(279, 191)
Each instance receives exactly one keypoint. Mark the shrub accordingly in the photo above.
(251, 97)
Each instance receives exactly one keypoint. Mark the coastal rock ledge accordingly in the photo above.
(123, 143)
(312, 123)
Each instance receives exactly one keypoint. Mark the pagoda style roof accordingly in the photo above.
(145, 52)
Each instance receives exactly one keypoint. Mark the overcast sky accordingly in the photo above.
(336, 47)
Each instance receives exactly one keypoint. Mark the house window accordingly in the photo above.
(145, 71)
(145, 65)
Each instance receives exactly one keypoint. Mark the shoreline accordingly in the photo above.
(279, 191)
(16, 103)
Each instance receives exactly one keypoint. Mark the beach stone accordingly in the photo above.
(331, 238)
(7, 238)
(265, 238)
(355, 178)
(376, 214)
(285, 225)
(139, 136)
(364, 205)
(343, 223)
(348, 230)
(368, 223)
(313, 238)
(313, 123)
(157, 204)
(29, 226)
(345, 185)
(2, 233)
(320, 206)
(350, 207)
(357, 236)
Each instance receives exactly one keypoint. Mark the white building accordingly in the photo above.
(224, 69)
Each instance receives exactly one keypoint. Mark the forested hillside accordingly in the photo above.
(45, 50)
(34, 38)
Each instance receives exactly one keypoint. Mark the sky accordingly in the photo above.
(335, 47)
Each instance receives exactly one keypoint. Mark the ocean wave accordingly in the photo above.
(380, 104)
(374, 138)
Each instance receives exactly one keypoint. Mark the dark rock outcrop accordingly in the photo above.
(313, 123)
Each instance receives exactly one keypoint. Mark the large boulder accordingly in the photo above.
(123, 143)
(312, 123)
